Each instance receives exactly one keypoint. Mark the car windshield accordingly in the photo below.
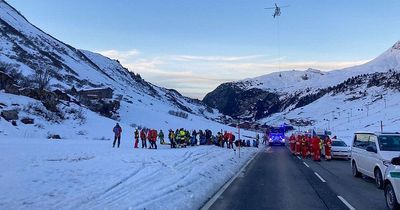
(389, 143)
(339, 144)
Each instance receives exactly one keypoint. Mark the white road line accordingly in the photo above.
(316, 174)
(346, 203)
(306, 164)
(298, 157)
(226, 185)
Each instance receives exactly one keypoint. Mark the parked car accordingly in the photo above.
(392, 184)
(372, 152)
(340, 149)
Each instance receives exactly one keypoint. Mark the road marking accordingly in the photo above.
(346, 203)
(226, 185)
(298, 157)
(306, 164)
(316, 174)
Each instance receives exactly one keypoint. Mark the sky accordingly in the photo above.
(195, 45)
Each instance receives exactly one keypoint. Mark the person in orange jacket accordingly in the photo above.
(298, 145)
(304, 147)
(328, 148)
(310, 147)
(292, 143)
(316, 148)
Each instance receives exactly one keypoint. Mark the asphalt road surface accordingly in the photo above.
(276, 179)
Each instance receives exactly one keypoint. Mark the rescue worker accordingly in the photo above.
(328, 148)
(136, 138)
(161, 137)
(225, 139)
(152, 137)
(230, 140)
(258, 139)
(298, 145)
(117, 134)
(292, 143)
(316, 148)
(143, 138)
(171, 137)
(194, 138)
(304, 147)
(220, 139)
(310, 147)
(182, 135)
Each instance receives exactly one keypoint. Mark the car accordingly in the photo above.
(392, 184)
(372, 152)
(340, 149)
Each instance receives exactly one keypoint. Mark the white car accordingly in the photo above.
(372, 152)
(340, 149)
(392, 184)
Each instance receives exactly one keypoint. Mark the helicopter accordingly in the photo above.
(277, 10)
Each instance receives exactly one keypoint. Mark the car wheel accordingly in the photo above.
(378, 179)
(354, 170)
(391, 200)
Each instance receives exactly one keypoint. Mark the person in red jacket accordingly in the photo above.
(316, 148)
(298, 145)
(304, 147)
(225, 139)
(143, 138)
(310, 147)
(328, 148)
(117, 134)
(292, 143)
(152, 137)
(230, 140)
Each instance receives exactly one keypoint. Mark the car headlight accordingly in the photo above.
(386, 162)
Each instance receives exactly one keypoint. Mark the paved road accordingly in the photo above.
(361, 193)
(275, 179)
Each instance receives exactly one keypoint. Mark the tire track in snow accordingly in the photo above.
(95, 197)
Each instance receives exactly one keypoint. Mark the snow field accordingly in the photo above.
(76, 174)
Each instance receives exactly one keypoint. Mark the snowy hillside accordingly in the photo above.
(259, 98)
(80, 80)
(295, 80)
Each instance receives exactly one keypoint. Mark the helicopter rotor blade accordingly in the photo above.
(270, 8)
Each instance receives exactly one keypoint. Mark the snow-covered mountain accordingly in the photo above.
(305, 97)
(82, 82)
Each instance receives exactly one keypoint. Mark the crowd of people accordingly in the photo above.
(181, 138)
(308, 146)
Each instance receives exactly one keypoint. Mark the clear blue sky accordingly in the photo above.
(193, 45)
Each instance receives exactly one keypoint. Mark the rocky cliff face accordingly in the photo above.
(251, 104)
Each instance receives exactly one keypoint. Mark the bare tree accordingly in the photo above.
(43, 77)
